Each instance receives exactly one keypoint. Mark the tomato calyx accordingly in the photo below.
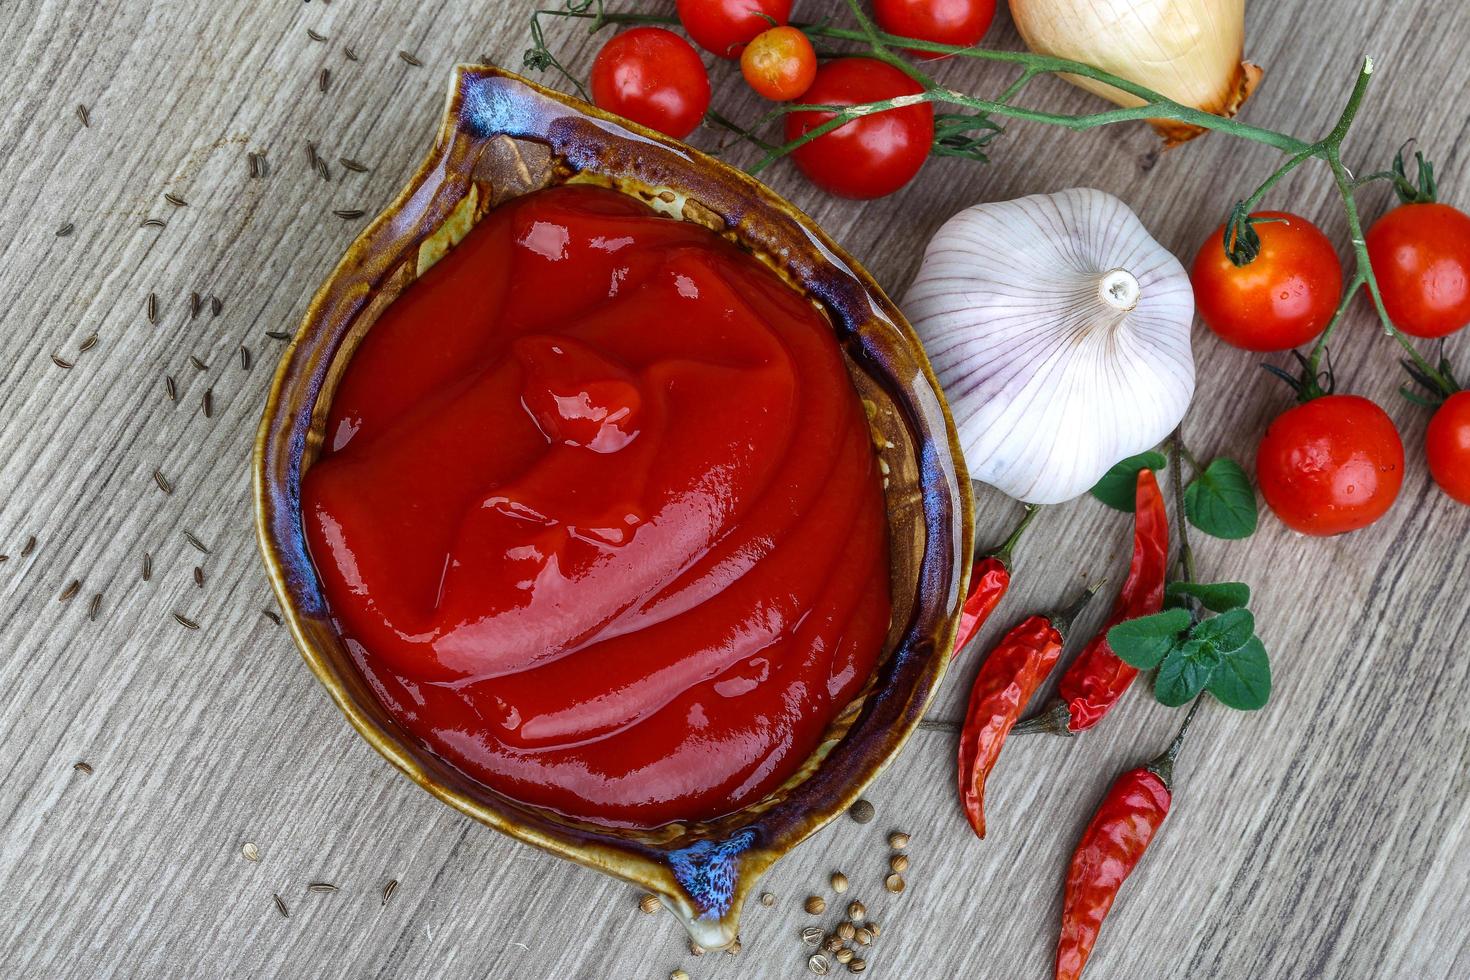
(1424, 189)
(1310, 383)
(1436, 391)
(963, 134)
(1242, 243)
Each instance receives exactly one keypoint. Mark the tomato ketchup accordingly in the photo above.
(599, 517)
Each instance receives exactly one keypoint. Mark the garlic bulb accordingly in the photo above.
(1060, 332)
(1188, 50)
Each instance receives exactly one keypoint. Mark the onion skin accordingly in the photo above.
(1189, 50)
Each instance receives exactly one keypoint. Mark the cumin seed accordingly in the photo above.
(321, 886)
(410, 59)
(147, 566)
(152, 307)
(216, 305)
(61, 362)
(94, 607)
(196, 303)
(199, 576)
(271, 615)
(82, 767)
(69, 593)
(244, 358)
(350, 164)
(170, 387)
(153, 223)
(281, 906)
(314, 35)
(162, 482)
(322, 169)
(87, 344)
(30, 546)
(65, 230)
(348, 213)
(324, 79)
(389, 889)
(186, 623)
(175, 200)
(207, 403)
(195, 543)
(254, 161)
(351, 54)
(278, 335)
(84, 115)
(198, 364)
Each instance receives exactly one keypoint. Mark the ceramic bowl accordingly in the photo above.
(503, 137)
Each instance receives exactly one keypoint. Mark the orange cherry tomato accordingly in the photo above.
(779, 64)
(654, 77)
(1421, 259)
(1447, 446)
(1331, 465)
(1282, 298)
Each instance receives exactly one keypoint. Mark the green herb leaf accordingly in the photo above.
(1119, 486)
(1243, 678)
(1185, 672)
(1214, 596)
(1220, 501)
(1226, 632)
(1145, 641)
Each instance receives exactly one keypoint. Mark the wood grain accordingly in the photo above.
(1324, 837)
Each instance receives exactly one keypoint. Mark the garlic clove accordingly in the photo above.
(1188, 50)
(1060, 331)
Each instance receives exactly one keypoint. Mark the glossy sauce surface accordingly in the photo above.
(599, 516)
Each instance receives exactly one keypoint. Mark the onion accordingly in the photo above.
(1188, 50)
(1060, 332)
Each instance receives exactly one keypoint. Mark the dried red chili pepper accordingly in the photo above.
(1008, 678)
(989, 579)
(1096, 679)
(1111, 847)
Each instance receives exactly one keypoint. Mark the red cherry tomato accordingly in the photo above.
(1447, 444)
(652, 76)
(724, 27)
(870, 156)
(779, 64)
(1282, 298)
(1421, 259)
(959, 22)
(1331, 465)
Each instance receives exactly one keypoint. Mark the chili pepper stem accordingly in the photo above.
(1055, 720)
(1002, 554)
(1061, 620)
(1163, 766)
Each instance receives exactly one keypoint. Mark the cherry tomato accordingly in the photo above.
(1331, 465)
(870, 156)
(1447, 444)
(725, 27)
(1421, 259)
(958, 22)
(652, 76)
(779, 64)
(1282, 298)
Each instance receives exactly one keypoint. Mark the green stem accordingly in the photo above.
(1003, 553)
(1163, 766)
(1176, 480)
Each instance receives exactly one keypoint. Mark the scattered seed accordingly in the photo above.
(199, 576)
(695, 949)
(84, 115)
(69, 593)
(278, 335)
(87, 344)
(389, 889)
(196, 303)
(898, 841)
(767, 899)
(839, 882)
(216, 305)
(94, 607)
(207, 403)
(899, 863)
(28, 547)
(244, 358)
(198, 364)
(152, 307)
(324, 79)
(4, 557)
(350, 54)
(170, 387)
(65, 230)
(61, 362)
(153, 223)
(648, 904)
(321, 168)
(818, 964)
(845, 931)
(195, 543)
(311, 154)
(82, 767)
(894, 883)
(873, 929)
(185, 621)
(350, 164)
(410, 59)
(321, 886)
(281, 906)
(861, 811)
(348, 212)
(858, 965)
(832, 944)
(678, 975)
(147, 566)
(254, 160)
(863, 937)
(815, 905)
(162, 482)
(812, 935)
(175, 200)
(251, 852)
(272, 616)
(844, 955)
(314, 35)
(856, 911)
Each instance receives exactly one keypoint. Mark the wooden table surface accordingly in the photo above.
(1327, 836)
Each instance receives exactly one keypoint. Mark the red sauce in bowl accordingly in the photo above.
(599, 517)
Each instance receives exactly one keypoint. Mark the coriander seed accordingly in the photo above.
(898, 841)
(815, 905)
(839, 882)
(899, 863)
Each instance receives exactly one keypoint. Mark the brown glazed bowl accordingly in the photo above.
(502, 137)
